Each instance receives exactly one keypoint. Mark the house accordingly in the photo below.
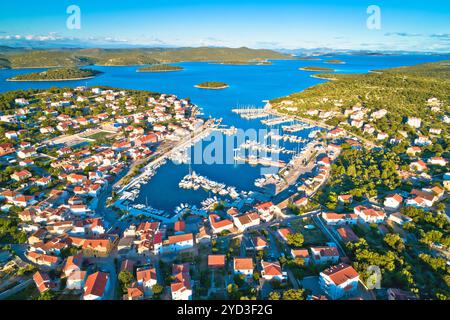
(134, 292)
(301, 254)
(181, 287)
(345, 198)
(218, 225)
(334, 219)
(258, 243)
(73, 264)
(324, 254)
(146, 278)
(178, 242)
(283, 233)
(339, 281)
(418, 166)
(393, 201)
(96, 286)
(76, 280)
(246, 221)
(369, 215)
(21, 175)
(216, 261)
(412, 151)
(272, 271)
(438, 161)
(346, 234)
(414, 122)
(399, 218)
(267, 210)
(301, 202)
(43, 259)
(243, 266)
(43, 282)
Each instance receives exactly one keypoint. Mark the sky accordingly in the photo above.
(414, 25)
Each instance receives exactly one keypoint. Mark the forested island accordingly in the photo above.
(57, 74)
(212, 85)
(160, 68)
(316, 69)
(335, 61)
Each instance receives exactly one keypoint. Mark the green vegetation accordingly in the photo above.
(212, 85)
(361, 173)
(335, 61)
(403, 92)
(160, 68)
(10, 233)
(295, 239)
(316, 69)
(57, 74)
(125, 280)
(119, 57)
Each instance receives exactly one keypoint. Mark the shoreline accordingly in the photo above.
(50, 80)
(313, 70)
(157, 71)
(211, 88)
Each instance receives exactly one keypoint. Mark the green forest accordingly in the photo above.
(160, 68)
(57, 74)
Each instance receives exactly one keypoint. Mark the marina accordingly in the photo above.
(296, 127)
(195, 182)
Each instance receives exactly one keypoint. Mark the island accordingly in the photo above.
(316, 69)
(335, 61)
(58, 74)
(245, 63)
(160, 68)
(213, 85)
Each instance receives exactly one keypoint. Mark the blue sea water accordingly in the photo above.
(249, 85)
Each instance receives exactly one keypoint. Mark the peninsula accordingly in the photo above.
(160, 68)
(57, 74)
(316, 69)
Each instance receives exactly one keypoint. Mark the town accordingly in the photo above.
(70, 157)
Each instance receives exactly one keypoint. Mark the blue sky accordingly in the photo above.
(405, 25)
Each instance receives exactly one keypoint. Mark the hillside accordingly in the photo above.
(117, 57)
(403, 92)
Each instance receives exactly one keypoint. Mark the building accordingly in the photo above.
(339, 281)
(324, 254)
(181, 287)
(301, 254)
(334, 219)
(43, 282)
(399, 218)
(246, 221)
(178, 242)
(243, 266)
(393, 201)
(219, 225)
(216, 261)
(146, 278)
(414, 122)
(272, 271)
(96, 286)
(369, 215)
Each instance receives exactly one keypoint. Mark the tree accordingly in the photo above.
(394, 241)
(294, 294)
(274, 295)
(295, 239)
(157, 289)
(47, 295)
(125, 279)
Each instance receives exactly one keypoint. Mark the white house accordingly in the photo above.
(146, 277)
(339, 281)
(414, 122)
(324, 254)
(272, 270)
(178, 242)
(369, 215)
(393, 201)
(246, 221)
(243, 266)
(334, 219)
